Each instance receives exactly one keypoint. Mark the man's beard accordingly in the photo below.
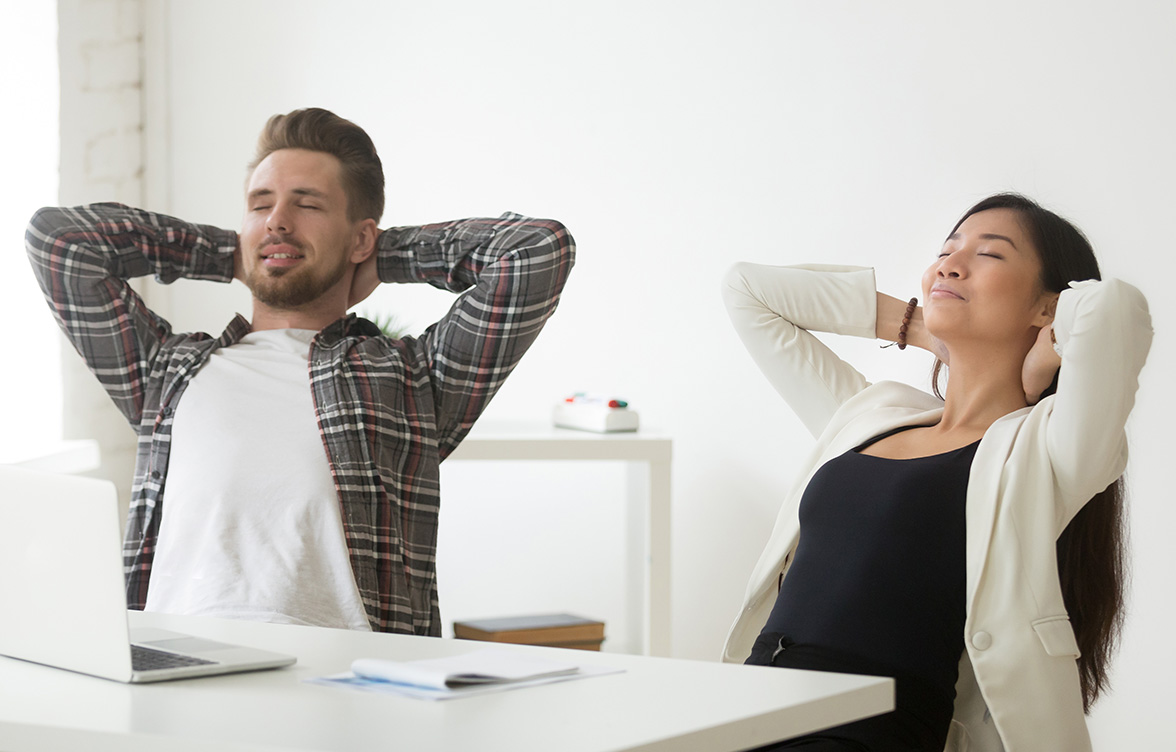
(289, 289)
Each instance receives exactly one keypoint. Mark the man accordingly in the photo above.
(237, 510)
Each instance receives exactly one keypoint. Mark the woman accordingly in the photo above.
(930, 548)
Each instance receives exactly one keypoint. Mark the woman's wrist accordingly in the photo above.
(907, 314)
(890, 316)
(892, 313)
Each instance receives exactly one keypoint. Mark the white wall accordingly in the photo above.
(101, 132)
(674, 138)
(34, 419)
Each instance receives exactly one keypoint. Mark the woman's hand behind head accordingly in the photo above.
(1041, 365)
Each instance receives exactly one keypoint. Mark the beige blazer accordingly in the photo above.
(1018, 687)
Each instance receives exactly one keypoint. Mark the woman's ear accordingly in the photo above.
(1048, 308)
(364, 241)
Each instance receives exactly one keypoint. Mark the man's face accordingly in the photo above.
(296, 239)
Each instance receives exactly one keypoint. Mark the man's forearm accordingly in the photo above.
(82, 258)
(453, 255)
(112, 240)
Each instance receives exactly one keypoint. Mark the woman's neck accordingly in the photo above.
(982, 388)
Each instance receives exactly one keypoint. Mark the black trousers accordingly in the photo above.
(918, 723)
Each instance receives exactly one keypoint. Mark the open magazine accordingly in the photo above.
(477, 672)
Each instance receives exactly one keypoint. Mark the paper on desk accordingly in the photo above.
(477, 672)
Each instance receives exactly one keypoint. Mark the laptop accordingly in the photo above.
(63, 595)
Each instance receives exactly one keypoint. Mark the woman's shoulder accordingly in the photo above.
(884, 405)
(895, 394)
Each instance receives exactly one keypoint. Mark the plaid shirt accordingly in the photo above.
(389, 410)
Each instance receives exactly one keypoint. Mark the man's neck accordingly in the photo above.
(314, 317)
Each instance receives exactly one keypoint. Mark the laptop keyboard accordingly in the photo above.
(146, 659)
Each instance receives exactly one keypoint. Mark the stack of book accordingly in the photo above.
(549, 630)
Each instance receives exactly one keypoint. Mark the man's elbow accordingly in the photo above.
(555, 244)
(42, 230)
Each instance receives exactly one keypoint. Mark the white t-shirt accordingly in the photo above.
(251, 525)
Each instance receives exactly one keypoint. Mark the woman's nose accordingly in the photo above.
(953, 265)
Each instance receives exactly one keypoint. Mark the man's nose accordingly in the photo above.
(278, 220)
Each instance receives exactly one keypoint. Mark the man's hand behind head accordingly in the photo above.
(365, 281)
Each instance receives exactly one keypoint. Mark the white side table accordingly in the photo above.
(647, 457)
(58, 457)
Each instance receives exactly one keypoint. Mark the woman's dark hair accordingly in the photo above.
(1092, 550)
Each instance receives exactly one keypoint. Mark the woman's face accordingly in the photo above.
(986, 283)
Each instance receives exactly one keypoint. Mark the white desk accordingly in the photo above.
(656, 704)
(648, 459)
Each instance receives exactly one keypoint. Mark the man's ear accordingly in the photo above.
(364, 241)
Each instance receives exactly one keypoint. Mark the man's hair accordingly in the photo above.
(316, 129)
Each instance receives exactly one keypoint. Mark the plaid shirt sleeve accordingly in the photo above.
(510, 271)
(82, 258)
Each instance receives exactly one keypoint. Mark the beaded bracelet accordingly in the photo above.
(906, 321)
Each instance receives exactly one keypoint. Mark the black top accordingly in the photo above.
(879, 574)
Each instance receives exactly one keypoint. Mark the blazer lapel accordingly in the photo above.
(983, 491)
